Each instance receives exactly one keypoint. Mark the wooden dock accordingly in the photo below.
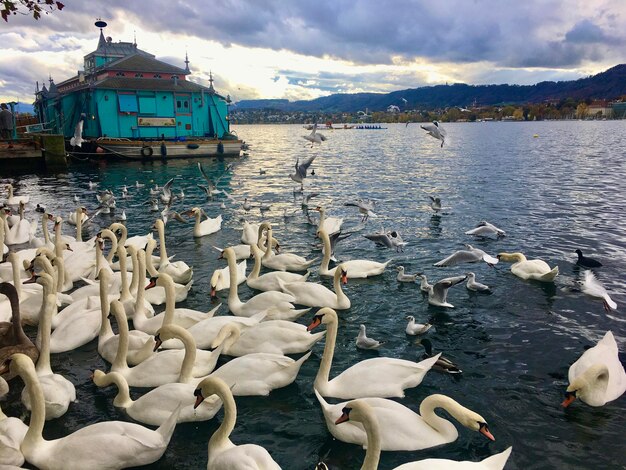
(34, 153)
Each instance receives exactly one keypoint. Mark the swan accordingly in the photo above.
(29, 295)
(250, 233)
(15, 341)
(283, 261)
(21, 232)
(534, 269)
(184, 317)
(180, 271)
(220, 278)
(156, 295)
(45, 241)
(276, 304)
(597, 377)
(329, 224)
(79, 214)
(205, 227)
(138, 241)
(363, 416)
(157, 405)
(356, 268)
(223, 454)
(400, 427)
(376, 377)
(12, 432)
(127, 444)
(255, 373)
(165, 366)
(269, 281)
(317, 295)
(140, 344)
(58, 391)
(13, 200)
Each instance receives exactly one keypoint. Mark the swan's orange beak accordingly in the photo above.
(199, 398)
(32, 280)
(213, 292)
(317, 320)
(345, 416)
(151, 284)
(569, 398)
(344, 277)
(484, 430)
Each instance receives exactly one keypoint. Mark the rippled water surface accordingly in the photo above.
(553, 186)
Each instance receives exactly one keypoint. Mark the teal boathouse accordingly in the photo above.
(131, 105)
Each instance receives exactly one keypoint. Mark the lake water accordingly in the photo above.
(552, 186)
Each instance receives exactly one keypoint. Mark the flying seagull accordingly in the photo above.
(436, 131)
(315, 137)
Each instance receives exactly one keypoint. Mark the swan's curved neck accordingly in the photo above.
(120, 363)
(79, 225)
(162, 249)
(372, 431)
(186, 368)
(45, 325)
(135, 278)
(125, 295)
(233, 293)
(149, 266)
(58, 239)
(170, 302)
(44, 228)
(445, 428)
(122, 399)
(33, 437)
(16, 321)
(59, 265)
(105, 326)
(327, 356)
(141, 283)
(222, 436)
(256, 270)
(327, 250)
(268, 244)
(341, 296)
(15, 267)
(592, 384)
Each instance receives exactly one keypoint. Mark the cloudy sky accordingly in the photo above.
(298, 49)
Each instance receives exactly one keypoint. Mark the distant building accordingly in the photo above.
(599, 108)
(618, 110)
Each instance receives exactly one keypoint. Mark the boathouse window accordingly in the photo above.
(128, 103)
(139, 75)
(182, 106)
(119, 74)
(156, 75)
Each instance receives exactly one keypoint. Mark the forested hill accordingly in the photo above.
(610, 84)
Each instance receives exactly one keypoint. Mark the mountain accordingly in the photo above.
(609, 84)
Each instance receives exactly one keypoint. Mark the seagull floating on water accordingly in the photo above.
(485, 229)
(475, 286)
(414, 329)
(363, 342)
(435, 204)
(405, 277)
(594, 288)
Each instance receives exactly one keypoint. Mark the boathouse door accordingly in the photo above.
(183, 115)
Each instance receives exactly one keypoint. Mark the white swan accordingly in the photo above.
(356, 268)
(184, 317)
(597, 377)
(13, 200)
(12, 432)
(204, 227)
(156, 295)
(180, 271)
(157, 405)
(276, 304)
(220, 279)
(222, 452)
(361, 415)
(283, 261)
(140, 344)
(269, 281)
(255, 373)
(20, 232)
(165, 366)
(534, 269)
(329, 224)
(376, 377)
(127, 444)
(79, 214)
(58, 392)
(317, 295)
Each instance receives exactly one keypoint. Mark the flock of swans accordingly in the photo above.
(172, 356)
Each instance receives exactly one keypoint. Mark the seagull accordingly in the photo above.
(435, 130)
(92, 185)
(122, 217)
(424, 285)
(314, 136)
(124, 192)
(301, 170)
(470, 255)
(363, 342)
(154, 206)
(443, 364)
(587, 262)
(246, 205)
(485, 229)
(76, 198)
(139, 185)
(413, 328)
(435, 204)
(211, 187)
(404, 100)
(405, 277)
(475, 286)
(77, 139)
(366, 207)
(594, 288)
(438, 292)
(167, 196)
(390, 239)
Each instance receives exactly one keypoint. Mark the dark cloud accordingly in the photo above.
(585, 32)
